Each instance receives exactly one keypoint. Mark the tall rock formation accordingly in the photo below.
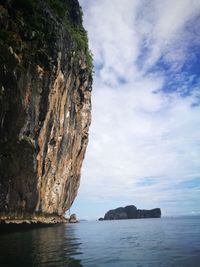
(45, 106)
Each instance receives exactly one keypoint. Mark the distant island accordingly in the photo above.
(131, 212)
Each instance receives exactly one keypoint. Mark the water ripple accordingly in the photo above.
(129, 243)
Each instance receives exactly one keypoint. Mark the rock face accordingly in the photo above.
(131, 212)
(45, 106)
(73, 218)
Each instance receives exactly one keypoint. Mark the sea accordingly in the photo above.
(166, 242)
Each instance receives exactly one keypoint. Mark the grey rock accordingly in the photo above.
(73, 218)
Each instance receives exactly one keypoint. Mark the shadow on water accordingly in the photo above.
(53, 246)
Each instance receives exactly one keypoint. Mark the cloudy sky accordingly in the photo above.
(144, 146)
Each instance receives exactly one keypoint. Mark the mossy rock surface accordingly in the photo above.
(27, 23)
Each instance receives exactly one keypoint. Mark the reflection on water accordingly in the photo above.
(166, 242)
(49, 246)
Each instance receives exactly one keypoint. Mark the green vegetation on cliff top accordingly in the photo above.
(68, 12)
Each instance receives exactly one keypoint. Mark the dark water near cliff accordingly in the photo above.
(166, 242)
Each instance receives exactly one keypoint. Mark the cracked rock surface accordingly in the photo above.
(45, 109)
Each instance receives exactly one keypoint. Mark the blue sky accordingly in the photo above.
(144, 146)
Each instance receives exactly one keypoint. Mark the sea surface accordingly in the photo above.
(166, 242)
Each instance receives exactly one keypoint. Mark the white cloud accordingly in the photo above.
(162, 29)
(135, 132)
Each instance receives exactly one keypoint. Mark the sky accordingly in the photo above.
(144, 141)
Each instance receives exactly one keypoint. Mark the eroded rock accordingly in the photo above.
(45, 107)
(73, 218)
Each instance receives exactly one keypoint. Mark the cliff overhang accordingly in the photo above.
(45, 107)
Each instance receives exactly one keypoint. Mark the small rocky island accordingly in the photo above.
(131, 212)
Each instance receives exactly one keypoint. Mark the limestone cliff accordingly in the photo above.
(131, 212)
(45, 105)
